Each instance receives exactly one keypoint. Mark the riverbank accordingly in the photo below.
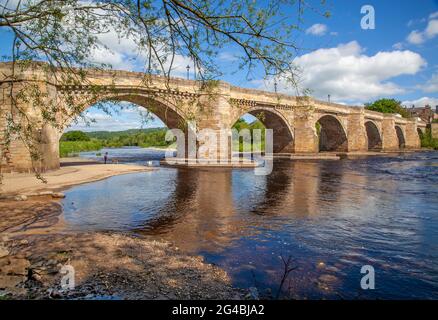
(35, 246)
(34, 249)
(73, 171)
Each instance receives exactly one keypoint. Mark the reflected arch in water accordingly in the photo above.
(331, 134)
(373, 135)
(400, 137)
(198, 214)
(176, 206)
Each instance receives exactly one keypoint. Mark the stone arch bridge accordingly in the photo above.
(213, 105)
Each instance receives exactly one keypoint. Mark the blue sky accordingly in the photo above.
(398, 59)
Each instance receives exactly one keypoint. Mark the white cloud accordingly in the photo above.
(117, 60)
(227, 56)
(421, 102)
(397, 46)
(415, 37)
(119, 119)
(347, 74)
(433, 15)
(123, 53)
(431, 31)
(317, 29)
(431, 85)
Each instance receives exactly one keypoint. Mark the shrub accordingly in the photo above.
(427, 141)
(75, 136)
(387, 106)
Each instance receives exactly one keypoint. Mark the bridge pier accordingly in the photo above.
(38, 147)
(306, 138)
(356, 132)
(389, 136)
(411, 135)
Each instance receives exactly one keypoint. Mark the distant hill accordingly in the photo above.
(107, 135)
(77, 141)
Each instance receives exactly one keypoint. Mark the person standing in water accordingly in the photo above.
(105, 157)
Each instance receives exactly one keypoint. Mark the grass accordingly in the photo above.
(70, 148)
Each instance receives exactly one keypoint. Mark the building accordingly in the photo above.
(427, 114)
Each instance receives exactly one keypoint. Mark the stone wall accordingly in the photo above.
(434, 130)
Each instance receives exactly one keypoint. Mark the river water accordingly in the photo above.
(330, 217)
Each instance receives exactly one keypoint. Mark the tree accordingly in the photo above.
(64, 33)
(240, 124)
(75, 136)
(387, 106)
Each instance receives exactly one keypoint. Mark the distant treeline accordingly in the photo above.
(73, 142)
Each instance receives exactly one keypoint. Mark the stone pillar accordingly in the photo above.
(49, 148)
(15, 154)
(214, 123)
(5, 165)
(389, 136)
(356, 132)
(306, 138)
(41, 149)
(412, 138)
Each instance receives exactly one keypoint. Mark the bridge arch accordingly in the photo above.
(331, 134)
(166, 111)
(400, 137)
(373, 135)
(282, 131)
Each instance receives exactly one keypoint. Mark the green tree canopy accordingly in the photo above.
(387, 106)
(75, 136)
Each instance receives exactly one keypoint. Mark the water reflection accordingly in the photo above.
(332, 217)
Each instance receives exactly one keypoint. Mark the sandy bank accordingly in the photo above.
(34, 249)
(68, 175)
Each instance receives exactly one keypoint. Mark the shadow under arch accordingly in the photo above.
(400, 137)
(332, 136)
(282, 131)
(373, 135)
(177, 205)
(420, 133)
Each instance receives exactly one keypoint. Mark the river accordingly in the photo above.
(330, 217)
